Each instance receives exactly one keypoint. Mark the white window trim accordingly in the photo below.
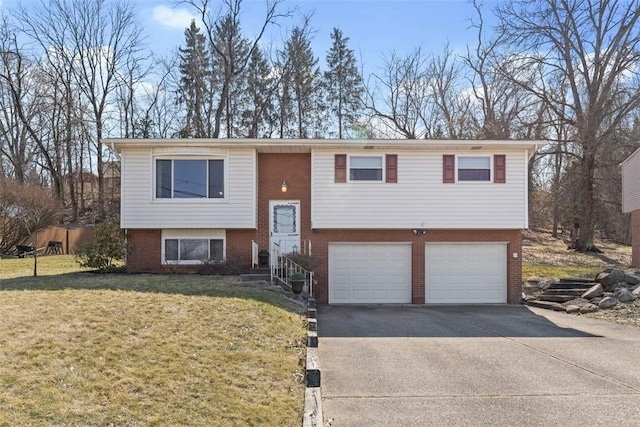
(384, 168)
(186, 199)
(191, 234)
(491, 172)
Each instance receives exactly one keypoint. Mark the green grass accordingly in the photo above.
(47, 265)
(557, 271)
(133, 350)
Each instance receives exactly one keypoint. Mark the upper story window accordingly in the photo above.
(189, 178)
(474, 168)
(365, 168)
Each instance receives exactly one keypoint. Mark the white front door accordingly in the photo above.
(284, 226)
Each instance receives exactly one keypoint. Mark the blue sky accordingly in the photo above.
(375, 27)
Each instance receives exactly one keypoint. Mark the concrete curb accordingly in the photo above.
(313, 396)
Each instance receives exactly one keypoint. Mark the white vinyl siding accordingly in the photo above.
(419, 199)
(631, 183)
(141, 209)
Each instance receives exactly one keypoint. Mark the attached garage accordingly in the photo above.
(365, 273)
(460, 273)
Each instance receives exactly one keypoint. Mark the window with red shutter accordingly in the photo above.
(448, 168)
(499, 169)
(392, 168)
(340, 168)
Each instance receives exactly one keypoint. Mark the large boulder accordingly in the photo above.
(624, 295)
(636, 292)
(609, 278)
(632, 279)
(608, 302)
(571, 309)
(593, 292)
(588, 308)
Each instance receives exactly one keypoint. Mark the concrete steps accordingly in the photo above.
(256, 274)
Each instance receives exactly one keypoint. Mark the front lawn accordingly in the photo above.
(133, 350)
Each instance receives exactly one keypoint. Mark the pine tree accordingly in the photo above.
(302, 76)
(194, 89)
(258, 92)
(342, 81)
(231, 52)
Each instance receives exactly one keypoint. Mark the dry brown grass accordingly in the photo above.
(544, 256)
(134, 350)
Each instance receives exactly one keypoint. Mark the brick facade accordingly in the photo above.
(635, 238)
(295, 170)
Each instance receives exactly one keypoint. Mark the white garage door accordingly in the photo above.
(369, 273)
(466, 273)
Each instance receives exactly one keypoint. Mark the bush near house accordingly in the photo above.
(108, 248)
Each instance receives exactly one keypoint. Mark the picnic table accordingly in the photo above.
(54, 247)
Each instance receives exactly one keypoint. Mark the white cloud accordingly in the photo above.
(172, 18)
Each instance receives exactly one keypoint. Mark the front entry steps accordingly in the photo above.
(256, 274)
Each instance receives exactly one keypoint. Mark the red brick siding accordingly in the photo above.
(513, 238)
(144, 251)
(295, 169)
(635, 238)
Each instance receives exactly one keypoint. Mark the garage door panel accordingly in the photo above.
(369, 273)
(465, 273)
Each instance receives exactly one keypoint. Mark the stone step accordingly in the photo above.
(575, 292)
(548, 305)
(571, 285)
(577, 280)
(556, 298)
(254, 277)
(260, 270)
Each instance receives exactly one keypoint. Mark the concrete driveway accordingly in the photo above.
(474, 366)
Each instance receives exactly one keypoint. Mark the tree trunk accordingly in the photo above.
(584, 243)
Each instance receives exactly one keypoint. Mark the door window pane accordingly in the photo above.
(284, 219)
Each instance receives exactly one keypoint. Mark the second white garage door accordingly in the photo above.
(466, 273)
(369, 273)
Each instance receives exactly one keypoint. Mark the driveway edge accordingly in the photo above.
(313, 396)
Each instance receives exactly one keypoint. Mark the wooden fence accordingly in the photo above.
(65, 240)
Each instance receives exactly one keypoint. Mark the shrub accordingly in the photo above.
(109, 247)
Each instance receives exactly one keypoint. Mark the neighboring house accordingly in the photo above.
(392, 221)
(631, 201)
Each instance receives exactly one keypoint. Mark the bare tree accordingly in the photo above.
(96, 40)
(398, 95)
(503, 105)
(595, 47)
(222, 28)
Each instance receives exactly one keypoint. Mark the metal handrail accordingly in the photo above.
(254, 253)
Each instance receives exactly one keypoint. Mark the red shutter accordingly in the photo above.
(448, 168)
(499, 169)
(340, 168)
(392, 168)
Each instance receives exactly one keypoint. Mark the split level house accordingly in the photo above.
(631, 201)
(390, 221)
